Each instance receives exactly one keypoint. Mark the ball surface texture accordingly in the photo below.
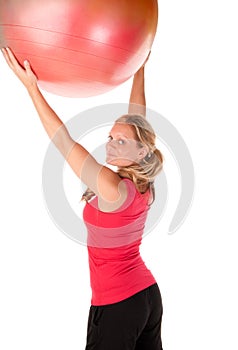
(79, 48)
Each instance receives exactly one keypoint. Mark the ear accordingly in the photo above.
(142, 153)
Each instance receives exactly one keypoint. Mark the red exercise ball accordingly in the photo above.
(79, 48)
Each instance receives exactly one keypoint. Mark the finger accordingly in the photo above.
(7, 58)
(148, 56)
(28, 68)
(11, 55)
(14, 63)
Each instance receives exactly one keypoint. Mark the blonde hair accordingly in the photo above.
(142, 174)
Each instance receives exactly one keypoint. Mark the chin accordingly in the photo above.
(118, 162)
(112, 162)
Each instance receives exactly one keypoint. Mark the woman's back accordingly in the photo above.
(116, 268)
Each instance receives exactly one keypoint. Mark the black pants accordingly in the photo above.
(132, 324)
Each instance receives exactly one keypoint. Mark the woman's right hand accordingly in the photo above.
(141, 69)
(26, 75)
(137, 102)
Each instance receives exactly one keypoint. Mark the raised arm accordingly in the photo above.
(104, 182)
(137, 102)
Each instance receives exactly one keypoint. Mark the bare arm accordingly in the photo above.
(137, 103)
(103, 181)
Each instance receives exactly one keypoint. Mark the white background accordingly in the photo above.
(191, 79)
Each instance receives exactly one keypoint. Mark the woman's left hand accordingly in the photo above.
(147, 58)
(26, 75)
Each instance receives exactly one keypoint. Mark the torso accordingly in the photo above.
(117, 270)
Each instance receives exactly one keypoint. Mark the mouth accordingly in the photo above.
(110, 153)
(111, 156)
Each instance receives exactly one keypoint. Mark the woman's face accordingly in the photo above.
(122, 148)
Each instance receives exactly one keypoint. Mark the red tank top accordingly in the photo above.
(117, 270)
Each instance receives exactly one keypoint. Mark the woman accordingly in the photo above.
(126, 308)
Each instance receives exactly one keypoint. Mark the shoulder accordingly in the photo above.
(135, 200)
(128, 192)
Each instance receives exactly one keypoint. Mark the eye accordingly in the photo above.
(121, 142)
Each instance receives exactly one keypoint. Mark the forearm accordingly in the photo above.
(137, 103)
(52, 124)
(50, 121)
(54, 127)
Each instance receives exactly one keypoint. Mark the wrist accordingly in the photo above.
(139, 75)
(140, 71)
(32, 88)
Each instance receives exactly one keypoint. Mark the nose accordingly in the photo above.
(109, 147)
(111, 144)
